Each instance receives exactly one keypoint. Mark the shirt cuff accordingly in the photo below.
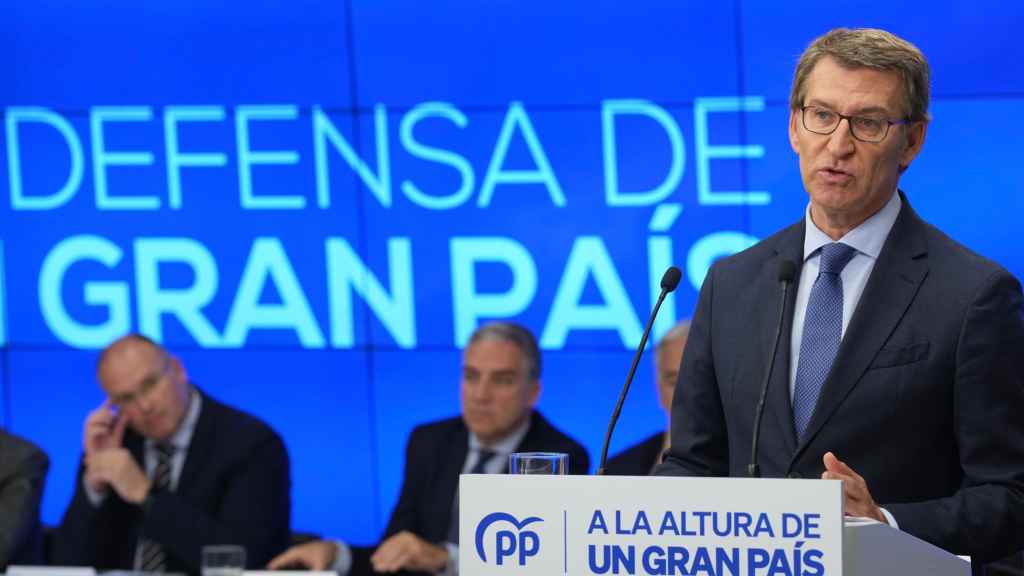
(342, 558)
(889, 518)
(451, 568)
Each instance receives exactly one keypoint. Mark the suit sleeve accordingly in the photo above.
(579, 460)
(85, 531)
(699, 444)
(403, 517)
(985, 518)
(254, 511)
(20, 494)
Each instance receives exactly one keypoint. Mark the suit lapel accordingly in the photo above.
(789, 247)
(200, 444)
(451, 466)
(894, 281)
(533, 440)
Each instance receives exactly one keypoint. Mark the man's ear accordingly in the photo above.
(178, 368)
(794, 135)
(914, 140)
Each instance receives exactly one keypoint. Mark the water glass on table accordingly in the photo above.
(538, 463)
(223, 560)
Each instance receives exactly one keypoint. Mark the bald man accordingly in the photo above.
(167, 469)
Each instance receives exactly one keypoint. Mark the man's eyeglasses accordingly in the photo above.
(872, 129)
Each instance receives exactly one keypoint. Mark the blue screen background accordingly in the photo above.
(312, 203)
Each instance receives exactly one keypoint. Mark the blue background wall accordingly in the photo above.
(313, 202)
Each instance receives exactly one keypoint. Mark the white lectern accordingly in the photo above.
(591, 525)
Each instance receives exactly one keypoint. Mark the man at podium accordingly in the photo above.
(900, 363)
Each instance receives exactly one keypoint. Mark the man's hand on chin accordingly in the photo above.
(407, 551)
(855, 490)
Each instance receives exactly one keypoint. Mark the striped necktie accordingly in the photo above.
(151, 557)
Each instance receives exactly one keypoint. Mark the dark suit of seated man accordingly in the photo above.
(641, 458)
(500, 386)
(168, 469)
(23, 469)
(900, 370)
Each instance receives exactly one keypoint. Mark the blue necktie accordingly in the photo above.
(823, 330)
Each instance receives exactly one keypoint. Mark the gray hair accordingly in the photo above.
(516, 334)
(679, 331)
(874, 49)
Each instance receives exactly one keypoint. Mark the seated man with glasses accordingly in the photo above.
(168, 469)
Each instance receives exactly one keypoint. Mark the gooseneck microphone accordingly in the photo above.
(787, 270)
(669, 281)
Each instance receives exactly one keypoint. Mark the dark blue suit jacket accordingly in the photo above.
(434, 458)
(638, 459)
(235, 488)
(925, 399)
(23, 468)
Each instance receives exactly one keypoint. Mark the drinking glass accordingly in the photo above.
(223, 560)
(538, 463)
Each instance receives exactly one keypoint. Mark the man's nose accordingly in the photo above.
(482, 392)
(144, 404)
(840, 141)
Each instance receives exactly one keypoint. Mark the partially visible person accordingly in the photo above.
(501, 368)
(641, 458)
(23, 469)
(167, 469)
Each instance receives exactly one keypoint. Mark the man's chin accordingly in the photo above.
(832, 195)
(481, 430)
(157, 433)
(834, 200)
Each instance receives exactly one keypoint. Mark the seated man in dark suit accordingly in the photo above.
(641, 458)
(500, 385)
(168, 469)
(23, 469)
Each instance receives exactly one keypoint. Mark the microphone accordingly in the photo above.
(669, 281)
(787, 270)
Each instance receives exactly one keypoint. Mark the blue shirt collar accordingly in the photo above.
(867, 238)
(182, 437)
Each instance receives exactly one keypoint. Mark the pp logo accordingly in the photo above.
(521, 543)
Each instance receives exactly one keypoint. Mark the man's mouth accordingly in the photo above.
(835, 175)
